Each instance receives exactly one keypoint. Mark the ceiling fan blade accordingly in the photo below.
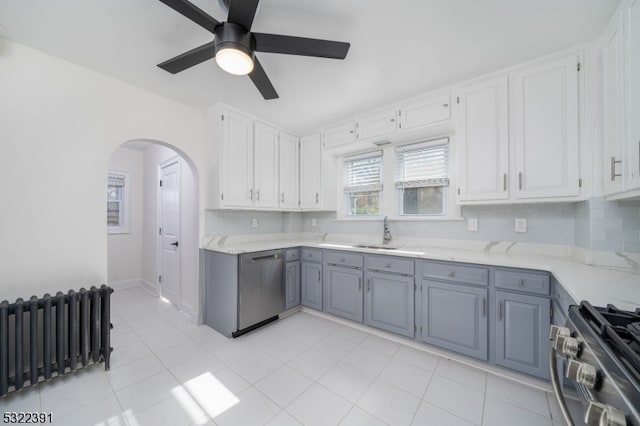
(242, 12)
(274, 43)
(194, 13)
(190, 58)
(260, 79)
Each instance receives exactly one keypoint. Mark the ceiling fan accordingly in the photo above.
(234, 44)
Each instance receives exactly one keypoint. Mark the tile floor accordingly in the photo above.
(299, 370)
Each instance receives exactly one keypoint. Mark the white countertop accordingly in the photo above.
(598, 285)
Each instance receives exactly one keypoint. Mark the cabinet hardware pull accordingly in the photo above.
(504, 182)
(258, 195)
(282, 198)
(614, 175)
(368, 284)
(251, 194)
(351, 131)
(499, 311)
(521, 282)
(520, 181)
(445, 105)
(484, 307)
(359, 283)
(452, 274)
(318, 276)
(392, 119)
(317, 198)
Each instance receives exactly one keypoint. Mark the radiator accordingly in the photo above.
(54, 335)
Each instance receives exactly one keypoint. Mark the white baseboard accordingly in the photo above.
(150, 287)
(191, 313)
(124, 284)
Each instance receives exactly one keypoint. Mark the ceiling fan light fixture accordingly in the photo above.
(234, 61)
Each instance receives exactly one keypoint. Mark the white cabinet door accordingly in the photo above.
(483, 135)
(265, 166)
(545, 137)
(310, 172)
(424, 111)
(289, 177)
(632, 53)
(339, 135)
(612, 109)
(237, 161)
(377, 125)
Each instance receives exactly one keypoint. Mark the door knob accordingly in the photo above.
(174, 244)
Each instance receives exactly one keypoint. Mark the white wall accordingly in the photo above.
(153, 156)
(124, 251)
(59, 125)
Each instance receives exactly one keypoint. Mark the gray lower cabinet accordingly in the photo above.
(292, 285)
(343, 292)
(522, 332)
(454, 316)
(311, 284)
(389, 302)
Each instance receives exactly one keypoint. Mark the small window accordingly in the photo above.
(422, 178)
(118, 203)
(362, 184)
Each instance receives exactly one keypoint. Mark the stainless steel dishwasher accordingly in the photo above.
(261, 291)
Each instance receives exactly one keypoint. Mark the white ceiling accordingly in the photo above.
(398, 48)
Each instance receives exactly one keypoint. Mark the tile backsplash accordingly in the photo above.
(595, 224)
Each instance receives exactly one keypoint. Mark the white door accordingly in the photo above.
(169, 218)
(265, 166)
(289, 177)
(310, 172)
(483, 157)
(545, 137)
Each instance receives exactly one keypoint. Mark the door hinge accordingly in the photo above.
(160, 182)
(160, 279)
(579, 66)
(457, 99)
(579, 183)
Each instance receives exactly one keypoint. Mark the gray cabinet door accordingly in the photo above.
(454, 317)
(522, 328)
(389, 303)
(311, 284)
(343, 292)
(292, 285)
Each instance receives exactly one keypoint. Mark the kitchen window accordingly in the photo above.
(118, 201)
(422, 178)
(362, 184)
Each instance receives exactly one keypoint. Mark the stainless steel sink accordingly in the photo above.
(375, 247)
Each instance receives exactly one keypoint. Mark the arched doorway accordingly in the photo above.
(152, 215)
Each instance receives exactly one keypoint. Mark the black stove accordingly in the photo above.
(601, 350)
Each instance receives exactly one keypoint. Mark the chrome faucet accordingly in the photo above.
(386, 236)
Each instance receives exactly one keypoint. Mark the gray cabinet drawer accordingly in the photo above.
(454, 272)
(390, 264)
(292, 255)
(311, 254)
(342, 258)
(529, 282)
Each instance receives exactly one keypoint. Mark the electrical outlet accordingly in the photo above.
(472, 224)
(521, 225)
(254, 222)
(314, 222)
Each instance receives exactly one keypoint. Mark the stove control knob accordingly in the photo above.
(567, 345)
(583, 373)
(604, 415)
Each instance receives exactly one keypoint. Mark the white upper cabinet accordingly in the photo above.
(545, 130)
(265, 165)
(424, 111)
(632, 55)
(377, 125)
(612, 107)
(483, 136)
(338, 135)
(236, 165)
(289, 171)
(310, 172)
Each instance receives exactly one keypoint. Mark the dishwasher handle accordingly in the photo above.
(267, 257)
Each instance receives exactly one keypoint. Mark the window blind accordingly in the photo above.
(363, 173)
(116, 180)
(423, 164)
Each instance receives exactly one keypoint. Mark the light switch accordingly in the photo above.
(472, 224)
(254, 222)
(314, 222)
(521, 225)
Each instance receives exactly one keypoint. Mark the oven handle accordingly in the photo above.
(553, 367)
